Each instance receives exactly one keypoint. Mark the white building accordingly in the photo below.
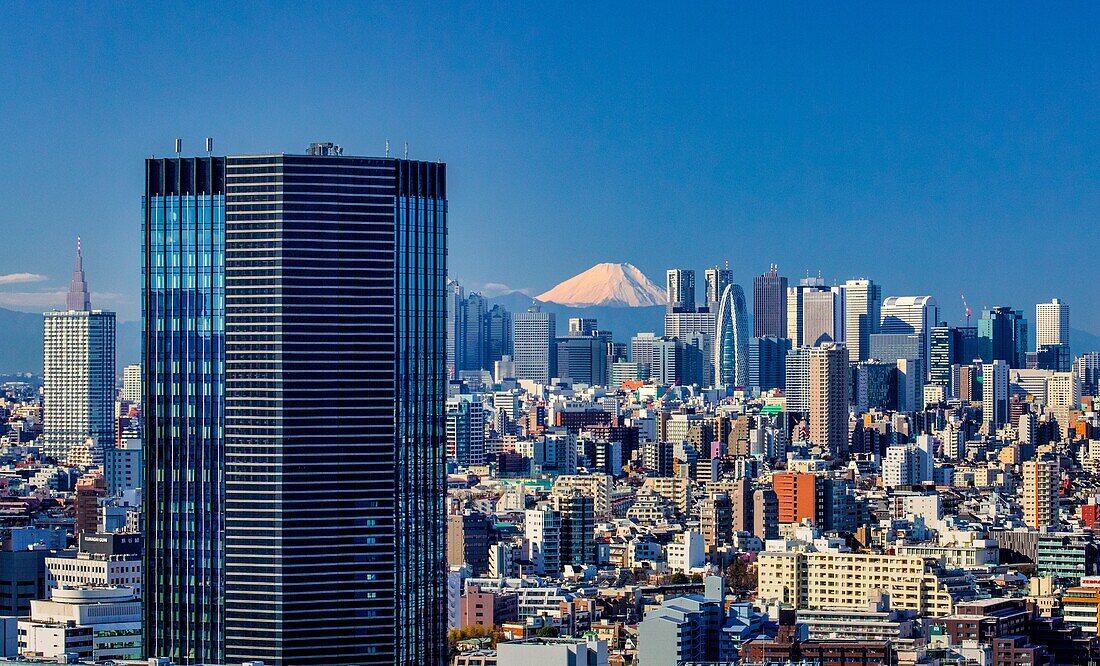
(542, 529)
(908, 464)
(122, 466)
(103, 560)
(78, 379)
(911, 315)
(687, 552)
(1051, 323)
(533, 345)
(131, 383)
(93, 622)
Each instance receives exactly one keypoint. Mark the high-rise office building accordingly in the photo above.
(700, 325)
(456, 325)
(582, 326)
(334, 289)
(1039, 493)
(768, 362)
(498, 331)
(994, 383)
(822, 317)
(1002, 335)
(678, 362)
(941, 357)
(131, 383)
(1051, 323)
(796, 310)
(862, 314)
(534, 334)
(731, 344)
(1087, 367)
(583, 359)
(716, 281)
(769, 304)
(912, 315)
(183, 368)
(78, 372)
(680, 289)
(475, 347)
(828, 397)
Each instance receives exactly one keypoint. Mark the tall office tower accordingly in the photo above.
(912, 315)
(797, 381)
(534, 351)
(475, 346)
(716, 281)
(862, 314)
(1039, 493)
(941, 357)
(796, 298)
(994, 384)
(465, 429)
(731, 346)
(131, 383)
(456, 324)
(910, 384)
(768, 362)
(677, 362)
(1087, 367)
(822, 317)
(578, 522)
(769, 304)
(1051, 323)
(183, 328)
(582, 359)
(78, 372)
(680, 289)
(966, 344)
(583, 326)
(334, 293)
(829, 395)
(642, 347)
(1002, 335)
(498, 332)
(685, 325)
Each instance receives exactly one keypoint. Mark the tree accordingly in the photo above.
(740, 576)
(548, 631)
(679, 578)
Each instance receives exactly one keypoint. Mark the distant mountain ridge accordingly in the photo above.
(21, 342)
(606, 285)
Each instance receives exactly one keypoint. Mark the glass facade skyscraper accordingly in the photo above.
(324, 538)
(183, 383)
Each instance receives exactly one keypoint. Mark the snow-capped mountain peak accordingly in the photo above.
(608, 284)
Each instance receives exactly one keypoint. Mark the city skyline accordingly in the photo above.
(837, 161)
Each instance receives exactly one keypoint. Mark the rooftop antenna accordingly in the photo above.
(406, 150)
(179, 146)
(387, 147)
(209, 144)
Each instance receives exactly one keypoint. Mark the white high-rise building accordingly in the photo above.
(862, 313)
(534, 347)
(796, 297)
(542, 530)
(911, 315)
(131, 384)
(995, 394)
(680, 289)
(1051, 323)
(78, 372)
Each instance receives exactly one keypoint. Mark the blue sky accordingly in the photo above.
(935, 148)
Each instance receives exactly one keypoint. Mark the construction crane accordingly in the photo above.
(967, 306)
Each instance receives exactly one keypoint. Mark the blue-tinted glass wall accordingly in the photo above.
(334, 410)
(183, 315)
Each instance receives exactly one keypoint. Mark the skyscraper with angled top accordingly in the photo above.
(333, 302)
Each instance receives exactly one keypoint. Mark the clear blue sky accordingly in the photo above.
(935, 148)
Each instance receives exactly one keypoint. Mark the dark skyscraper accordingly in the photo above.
(183, 384)
(769, 304)
(1002, 335)
(334, 425)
